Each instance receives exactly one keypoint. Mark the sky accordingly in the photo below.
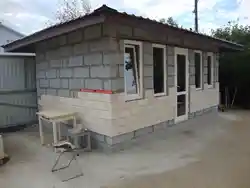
(28, 16)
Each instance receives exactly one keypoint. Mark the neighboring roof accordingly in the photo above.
(97, 16)
(11, 29)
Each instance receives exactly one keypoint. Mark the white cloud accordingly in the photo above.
(244, 12)
(34, 14)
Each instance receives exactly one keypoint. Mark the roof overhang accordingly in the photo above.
(27, 44)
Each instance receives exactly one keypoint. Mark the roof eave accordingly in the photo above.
(52, 32)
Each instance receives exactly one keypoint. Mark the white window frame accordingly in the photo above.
(165, 68)
(131, 44)
(212, 69)
(201, 69)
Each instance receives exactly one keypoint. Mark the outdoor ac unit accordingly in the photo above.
(2, 155)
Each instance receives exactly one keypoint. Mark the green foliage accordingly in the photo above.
(169, 21)
(235, 66)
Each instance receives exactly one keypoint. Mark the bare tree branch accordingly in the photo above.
(71, 9)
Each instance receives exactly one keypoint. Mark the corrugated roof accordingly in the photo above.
(107, 10)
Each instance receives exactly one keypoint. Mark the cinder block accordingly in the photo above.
(75, 36)
(66, 73)
(170, 50)
(103, 71)
(54, 83)
(171, 70)
(52, 54)
(191, 79)
(81, 48)
(41, 74)
(160, 126)
(44, 83)
(148, 82)
(65, 62)
(56, 63)
(119, 139)
(148, 71)
(75, 61)
(138, 32)
(93, 59)
(170, 60)
(123, 30)
(114, 58)
(76, 83)
(40, 56)
(65, 51)
(93, 84)
(108, 30)
(42, 66)
(121, 70)
(51, 92)
(191, 70)
(104, 45)
(51, 73)
(62, 40)
(93, 32)
(63, 93)
(147, 48)
(114, 84)
(81, 72)
(147, 59)
(205, 78)
(205, 70)
(171, 81)
(143, 131)
(64, 83)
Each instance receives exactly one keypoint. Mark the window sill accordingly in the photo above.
(210, 86)
(129, 98)
(198, 89)
(160, 95)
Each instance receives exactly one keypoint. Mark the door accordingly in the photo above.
(181, 83)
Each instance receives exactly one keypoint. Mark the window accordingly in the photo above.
(159, 69)
(209, 70)
(198, 70)
(132, 70)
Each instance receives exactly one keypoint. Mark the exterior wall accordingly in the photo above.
(81, 59)
(93, 59)
(207, 96)
(7, 36)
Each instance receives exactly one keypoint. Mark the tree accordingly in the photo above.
(72, 9)
(235, 66)
(169, 21)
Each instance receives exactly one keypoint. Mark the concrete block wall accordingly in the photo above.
(139, 114)
(206, 97)
(94, 109)
(80, 59)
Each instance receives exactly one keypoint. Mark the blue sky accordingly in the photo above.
(28, 16)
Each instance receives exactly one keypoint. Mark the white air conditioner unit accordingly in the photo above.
(2, 154)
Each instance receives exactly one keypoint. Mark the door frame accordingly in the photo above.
(182, 51)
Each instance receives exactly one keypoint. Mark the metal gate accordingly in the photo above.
(18, 99)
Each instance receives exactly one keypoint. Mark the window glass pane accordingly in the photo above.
(209, 70)
(131, 71)
(181, 73)
(181, 105)
(197, 61)
(158, 60)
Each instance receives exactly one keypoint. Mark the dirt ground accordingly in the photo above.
(223, 163)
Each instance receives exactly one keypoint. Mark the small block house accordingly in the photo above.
(126, 76)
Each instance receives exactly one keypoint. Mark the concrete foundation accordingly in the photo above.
(127, 140)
